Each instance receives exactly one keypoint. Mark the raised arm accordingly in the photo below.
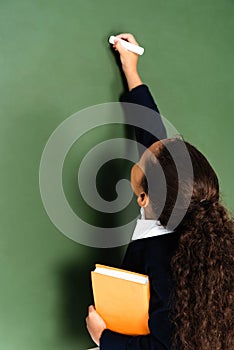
(139, 94)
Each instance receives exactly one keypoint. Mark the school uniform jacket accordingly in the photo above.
(150, 256)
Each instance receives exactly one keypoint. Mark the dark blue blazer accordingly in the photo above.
(150, 256)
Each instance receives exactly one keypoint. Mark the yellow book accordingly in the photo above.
(122, 299)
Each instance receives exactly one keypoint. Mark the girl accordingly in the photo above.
(190, 267)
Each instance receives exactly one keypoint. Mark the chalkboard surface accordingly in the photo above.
(55, 61)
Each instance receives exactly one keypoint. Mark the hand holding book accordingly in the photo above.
(121, 299)
(95, 324)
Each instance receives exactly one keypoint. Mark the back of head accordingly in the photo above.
(202, 266)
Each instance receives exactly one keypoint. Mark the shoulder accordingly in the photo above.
(150, 253)
(162, 243)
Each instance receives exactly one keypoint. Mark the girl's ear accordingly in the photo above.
(143, 199)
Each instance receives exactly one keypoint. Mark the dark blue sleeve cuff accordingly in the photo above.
(140, 95)
(113, 341)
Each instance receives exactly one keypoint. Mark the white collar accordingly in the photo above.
(148, 228)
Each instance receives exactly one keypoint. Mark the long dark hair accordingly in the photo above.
(202, 266)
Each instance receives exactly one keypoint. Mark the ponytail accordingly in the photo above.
(203, 274)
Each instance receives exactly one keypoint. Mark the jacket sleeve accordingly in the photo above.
(115, 341)
(141, 95)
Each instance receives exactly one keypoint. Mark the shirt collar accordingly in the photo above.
(148, 228)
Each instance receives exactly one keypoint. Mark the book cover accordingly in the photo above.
(122, 299)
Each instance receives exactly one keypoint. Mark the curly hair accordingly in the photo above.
(202, 266)
(203, 281)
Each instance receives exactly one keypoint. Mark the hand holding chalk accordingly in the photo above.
(128, 59)
(129, 46)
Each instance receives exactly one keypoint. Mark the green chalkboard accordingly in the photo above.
(55, 61)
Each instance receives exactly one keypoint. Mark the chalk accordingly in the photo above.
(129, 46)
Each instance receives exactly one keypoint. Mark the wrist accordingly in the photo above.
(130, 71)
(133, 80)
(98, 339)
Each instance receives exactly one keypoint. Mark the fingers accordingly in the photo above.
(118, 47)
(124, 36)
(91, 308)
(129, 37)
(93, 316)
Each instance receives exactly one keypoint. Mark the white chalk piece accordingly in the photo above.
(129, 46)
